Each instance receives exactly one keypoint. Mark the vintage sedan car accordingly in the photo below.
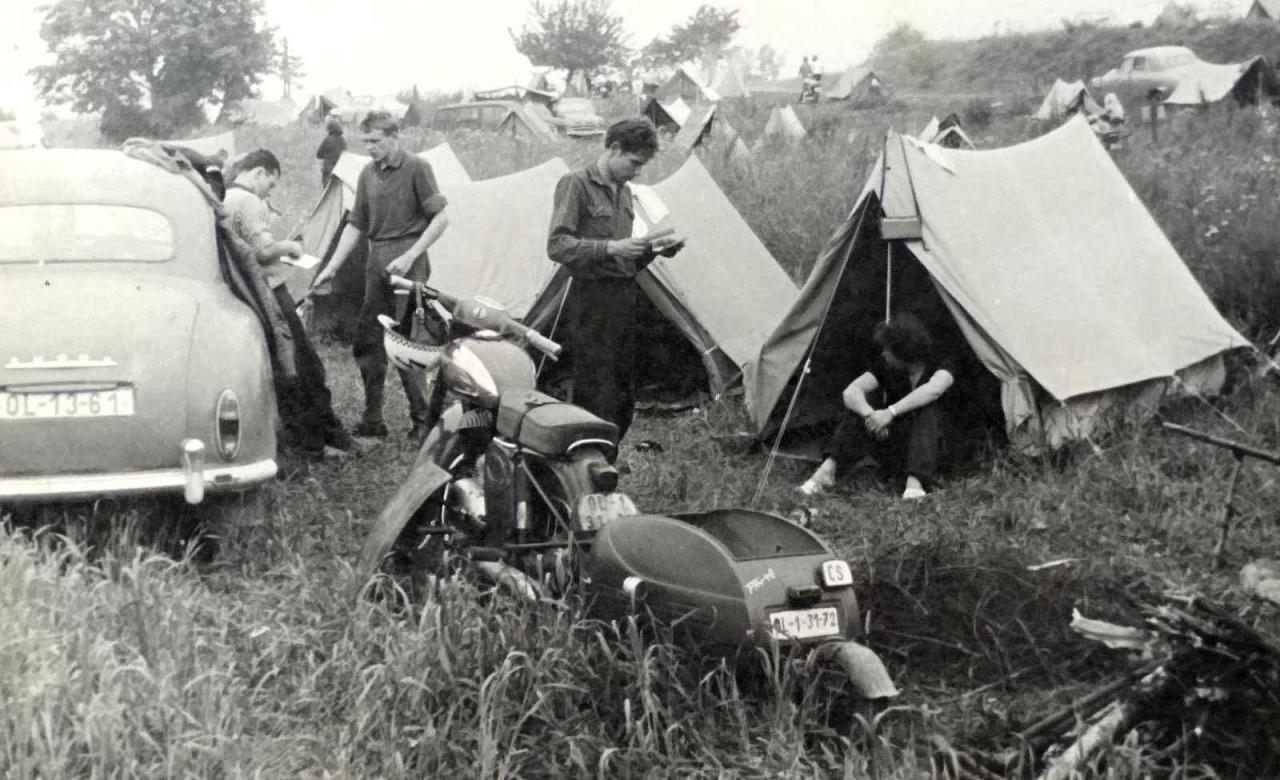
(1181, 78)
(475, 115)
(127, 364)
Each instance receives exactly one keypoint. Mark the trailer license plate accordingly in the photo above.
(807, 623)
(595, 510)
(116, 402)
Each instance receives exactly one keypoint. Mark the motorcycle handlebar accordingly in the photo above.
(477, 314)
(402, 283)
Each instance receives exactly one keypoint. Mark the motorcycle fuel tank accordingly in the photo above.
(483, 369)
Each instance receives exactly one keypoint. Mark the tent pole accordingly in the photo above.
(555, 323)
(804, 370)
(888, 280)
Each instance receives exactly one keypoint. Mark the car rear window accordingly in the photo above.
(83, 232)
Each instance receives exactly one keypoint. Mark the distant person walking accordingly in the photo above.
(306, 407)
(590, 236)
(331, 148)
(401, 212)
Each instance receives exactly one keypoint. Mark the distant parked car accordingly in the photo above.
(127, 364)
(577, 117)
(476, 115)
(1182, 78)
(1144, 70)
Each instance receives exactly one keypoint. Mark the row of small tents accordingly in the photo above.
(984, 246)
(723, 293)
(1207, 84)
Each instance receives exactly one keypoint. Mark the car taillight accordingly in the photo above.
(836, 574)
(227, 424)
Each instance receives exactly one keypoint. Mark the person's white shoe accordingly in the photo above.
(913, 492)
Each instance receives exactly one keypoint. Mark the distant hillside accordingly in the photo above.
(1027, 63)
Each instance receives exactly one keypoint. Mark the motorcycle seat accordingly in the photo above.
(547, 425)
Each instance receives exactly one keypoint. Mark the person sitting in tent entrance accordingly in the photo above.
(896, 417)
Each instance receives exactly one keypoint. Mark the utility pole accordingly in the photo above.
(286, 73)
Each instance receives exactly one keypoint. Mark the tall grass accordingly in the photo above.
(118, 661)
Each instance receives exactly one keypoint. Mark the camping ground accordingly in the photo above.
(118, 659)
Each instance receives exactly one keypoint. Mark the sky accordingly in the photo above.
(383, 46)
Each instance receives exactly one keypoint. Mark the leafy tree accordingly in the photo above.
(704, 35)
(147, 65)
(769, 62)
(905, 52)
(576, 35)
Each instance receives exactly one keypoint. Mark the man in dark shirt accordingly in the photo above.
(400, 210)
(331, 148)
(590, 236)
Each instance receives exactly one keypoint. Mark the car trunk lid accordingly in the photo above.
(74, 333)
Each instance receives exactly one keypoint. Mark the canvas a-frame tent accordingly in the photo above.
(320, 232)
(1207, 82)
(726, 79)
(859, 86)
(723, 293)
(783, 127)
(522, 121)
(496, 242)
(686, 85)
(671, 115)
(1264, 10)
(1065, 98)
(992, 245)
(947, 132)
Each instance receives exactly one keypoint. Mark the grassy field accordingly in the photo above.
(120, 660)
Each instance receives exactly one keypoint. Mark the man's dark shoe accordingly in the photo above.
(339, 439)
(370, 429)
(418, 435)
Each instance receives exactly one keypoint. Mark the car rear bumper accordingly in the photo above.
(69, 487)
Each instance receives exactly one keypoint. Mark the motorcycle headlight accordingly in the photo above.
(836, 574)
(465, 373)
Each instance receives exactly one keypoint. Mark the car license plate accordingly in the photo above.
(806, 623)
(597, 509)
(116, 402)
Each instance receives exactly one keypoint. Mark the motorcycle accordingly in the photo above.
(811, 89)
(518, 490)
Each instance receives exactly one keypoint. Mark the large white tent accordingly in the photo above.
(992, 246)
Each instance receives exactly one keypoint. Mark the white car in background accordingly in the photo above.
(1181, 78)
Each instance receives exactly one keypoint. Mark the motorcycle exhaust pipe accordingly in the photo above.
(505, 576)
(864, 668)
(467, 496)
